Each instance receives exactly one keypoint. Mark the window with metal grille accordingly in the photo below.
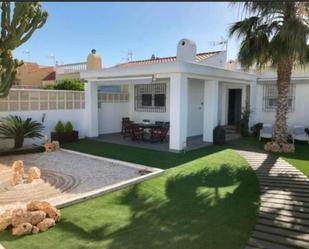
(150, 97)
(270, 94)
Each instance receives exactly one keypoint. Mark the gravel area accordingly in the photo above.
(90, 172)
(65, 175)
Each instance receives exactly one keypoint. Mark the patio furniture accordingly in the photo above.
(159, 134)
(137, 133)
(299, 133)
(267, 131)
(126, 128)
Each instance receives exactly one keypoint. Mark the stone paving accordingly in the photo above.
(283, 221)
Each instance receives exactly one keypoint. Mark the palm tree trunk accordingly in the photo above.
(284, 71)
(18, 142)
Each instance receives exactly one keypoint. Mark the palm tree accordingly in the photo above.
(14, 127)
(275, 34)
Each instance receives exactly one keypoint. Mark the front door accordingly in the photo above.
(234, 108)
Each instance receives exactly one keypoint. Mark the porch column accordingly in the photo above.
(211, 101)
(178, 112)
(253, 92)
(91, 109)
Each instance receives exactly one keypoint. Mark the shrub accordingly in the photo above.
(68, 84)
(68, 127)
(14, 127)
(59, 127)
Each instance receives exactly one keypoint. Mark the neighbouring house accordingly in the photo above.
(50, 79)
(193, 91)
(32, 75)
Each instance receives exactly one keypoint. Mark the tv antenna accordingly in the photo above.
(223, 43)
(129, 55)
(52, 57)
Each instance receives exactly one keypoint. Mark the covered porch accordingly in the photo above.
(193, 98)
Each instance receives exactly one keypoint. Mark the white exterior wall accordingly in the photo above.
(77, 118)
(218, 60)
(300, 116)
(110, 115)
(224, 95)
(91, 109)
(211, 99)
(195, 107)
(138, 116)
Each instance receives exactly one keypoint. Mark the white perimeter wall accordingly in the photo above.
(76, 116)
(300, 116)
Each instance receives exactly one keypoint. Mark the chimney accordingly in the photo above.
(186, 50)
(94, 61)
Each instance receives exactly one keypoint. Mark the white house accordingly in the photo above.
(193, 91)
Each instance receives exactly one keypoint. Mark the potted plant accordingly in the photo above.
(64, 134)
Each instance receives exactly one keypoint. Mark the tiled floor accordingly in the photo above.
(116, 138)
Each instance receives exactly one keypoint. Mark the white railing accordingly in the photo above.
(71, 68)
(36, 99)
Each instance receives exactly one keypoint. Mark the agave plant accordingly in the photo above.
(14, 127)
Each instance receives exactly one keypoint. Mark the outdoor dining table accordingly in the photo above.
(147, 126)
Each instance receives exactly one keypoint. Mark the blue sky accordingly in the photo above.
(73, 29)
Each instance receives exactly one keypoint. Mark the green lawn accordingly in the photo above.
(205, 199)
(299, 159)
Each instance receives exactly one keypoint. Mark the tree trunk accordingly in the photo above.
(18, 142)
(284, 71)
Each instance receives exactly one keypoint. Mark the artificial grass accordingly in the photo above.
(299, 159)
(207, 199)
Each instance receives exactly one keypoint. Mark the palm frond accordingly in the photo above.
(13, 127)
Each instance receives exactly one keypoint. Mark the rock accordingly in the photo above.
(56, 144)
(46, 207)
(18, 167)
(5, 220)
(34, 173)
(49, 147)
(37, 205)
(272, 147)
(288, 148)
(53, 213)
(22, 229)
(46, 224)
(16, 178)
(35, 230)
(37, 217)
(19, 216)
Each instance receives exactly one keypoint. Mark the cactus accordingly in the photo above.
(16, 29)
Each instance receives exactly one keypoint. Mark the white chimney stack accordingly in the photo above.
(186, 50)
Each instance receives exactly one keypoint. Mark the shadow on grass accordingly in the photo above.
(208, 208)
(159, 159)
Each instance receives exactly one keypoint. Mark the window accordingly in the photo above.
(150, 97)
(146, 100)
(159, 100)
(270, 94)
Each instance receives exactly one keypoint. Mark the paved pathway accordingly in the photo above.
(283, 221)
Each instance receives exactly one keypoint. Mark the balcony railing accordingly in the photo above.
(71, 68)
